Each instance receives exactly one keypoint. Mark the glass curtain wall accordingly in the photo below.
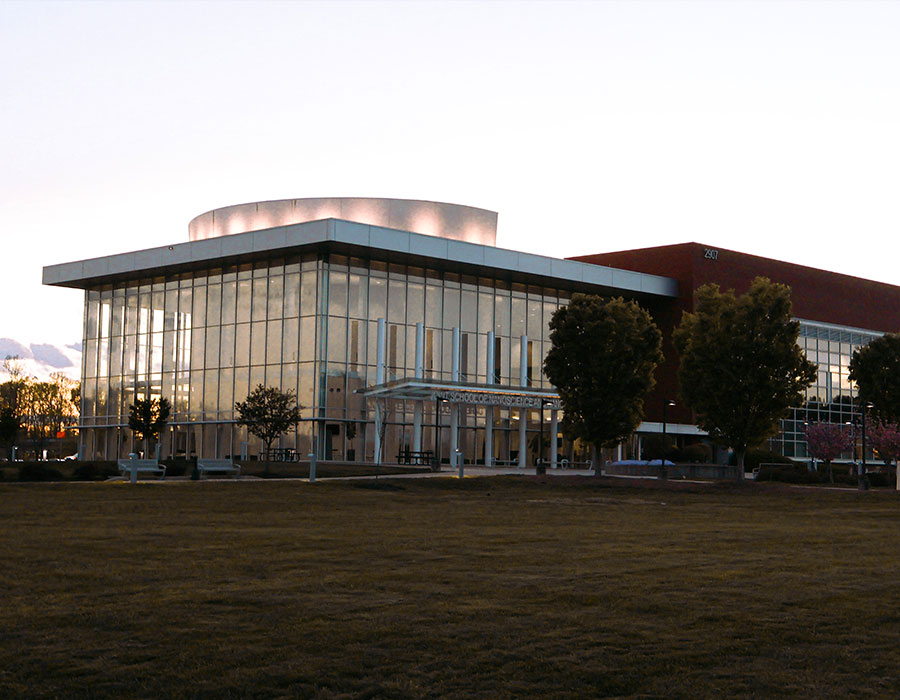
(832, 399)
(204, 339)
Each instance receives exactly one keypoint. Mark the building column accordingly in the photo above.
(379, 379)
(523, 412)
(489, 410)
(418, 406)
(554, 445)
(454, 408)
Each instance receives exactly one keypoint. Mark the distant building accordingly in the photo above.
(404, 331)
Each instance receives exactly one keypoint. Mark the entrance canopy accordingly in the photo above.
(504, 396)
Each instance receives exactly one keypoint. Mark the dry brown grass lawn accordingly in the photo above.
(505, 587)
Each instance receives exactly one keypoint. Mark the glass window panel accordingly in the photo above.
(273, 375)
(168, 351)
(257, 376)
(469, 312)
(88, 397)
(485, 312)
(337, 339)
(93, 314)
(415, 303)
(289, 347)
(307, 293)
(105, 313)
(229, 303)
(259, 299)
(396, 344)
(289, 378)
(102, 395)
(226, 347)
(515, 360)
(534, 329)
(241, 384)
(307, 338)
(129, 357)
(115, 355)
(144, 317)
(517, 317)
(434, 297)
(182, 393)
(356, 344)
(275, 297)
(273, 341)
(131, 315)
(212, 347)
(185, 300)
(198, 345)
(396, 301)
(291, 296)
(156, 352)
(171, 309)
(90, 361)
(220, 304)
(377, 297)
(357, 295)
(103, 357)
(242, 345)
(447, 354)
(210, 393)
(451, 307)
(196, 402)
(501, 315)
(142, 350)
(158, 300)
(226, 392)
(337, 293)
(198, 313)
(115, 396)
(258, 343)
(307, 385)
(244, 300)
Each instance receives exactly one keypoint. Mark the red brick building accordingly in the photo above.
(838, 313)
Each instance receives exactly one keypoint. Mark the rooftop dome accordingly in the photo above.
(454, 221)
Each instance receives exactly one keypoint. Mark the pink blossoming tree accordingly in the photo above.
(885, 440)
(826, 442)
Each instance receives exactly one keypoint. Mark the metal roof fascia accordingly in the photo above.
(154, 260)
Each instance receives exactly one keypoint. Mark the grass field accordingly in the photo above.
(505, 587)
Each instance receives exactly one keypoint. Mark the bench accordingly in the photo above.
(218, 466)
(133, 467)
(415, 457)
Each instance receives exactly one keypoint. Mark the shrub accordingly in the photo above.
(38, 471)
(94, 471)
(655, 447)
(698, 453)
(177, 466)
(757, 456)
(791, 474)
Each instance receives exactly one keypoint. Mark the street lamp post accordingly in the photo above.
(663, 468)
(541, 466)
(862, 476)
(437, 433)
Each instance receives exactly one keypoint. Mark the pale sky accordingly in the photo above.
(766, 127)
